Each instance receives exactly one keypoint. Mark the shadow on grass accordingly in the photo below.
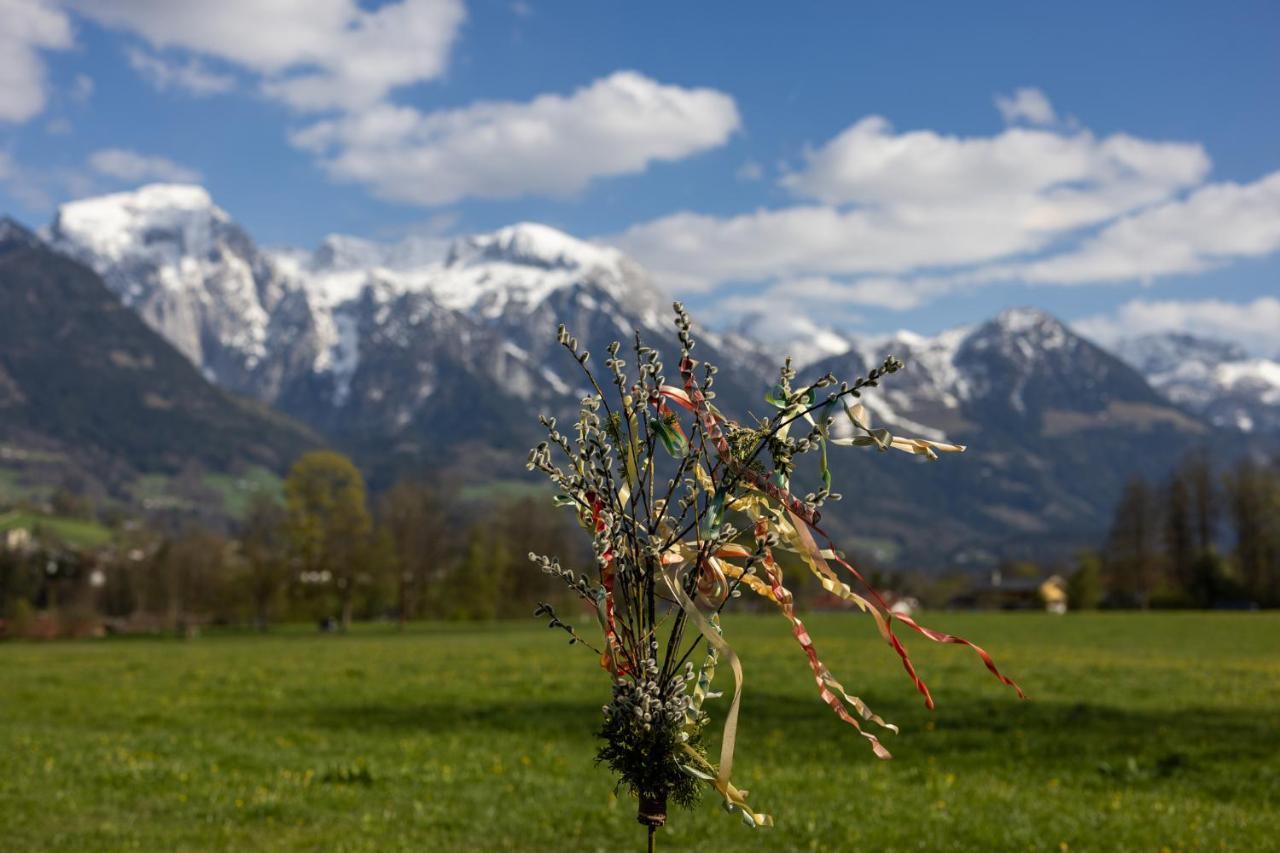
(1216, 750)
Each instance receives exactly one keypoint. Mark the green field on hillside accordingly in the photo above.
(1143, 732)
(76, 532)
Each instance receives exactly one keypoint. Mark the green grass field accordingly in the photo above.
(72, 531)
(1144, 732)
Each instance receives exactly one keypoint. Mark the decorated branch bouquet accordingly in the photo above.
(687, 510)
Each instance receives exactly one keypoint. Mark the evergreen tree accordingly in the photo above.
(1206, 502)
(1253, 500)
(1182, 551)
(1130, 556)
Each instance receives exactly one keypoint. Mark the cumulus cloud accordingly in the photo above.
(26, 28)
(893, 203)
(346, 58)
(702, 252)
(1216, 223)
(1037, 179)
(313, 54)
(1251, 324)
(552, 145)
(895, 220)
(1211, 226)
(190, 75)
(126, 165)
(1026, 105)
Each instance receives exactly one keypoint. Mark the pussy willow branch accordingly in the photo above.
(735, 475)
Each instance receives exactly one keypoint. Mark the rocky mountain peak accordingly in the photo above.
(157, 220)
(532, 244)
(1167, 352)
(15, 235)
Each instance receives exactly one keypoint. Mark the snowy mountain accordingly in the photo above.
(792, 335)
(1054, 425)
(391, 349)
(1215, 379)
(405, 354)
(191, 273)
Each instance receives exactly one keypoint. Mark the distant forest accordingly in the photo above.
(1201, 538)
(322, 551)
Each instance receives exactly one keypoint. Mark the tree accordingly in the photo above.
(1253, 500)
(1206, 503)
(193, 568)
(534, 525)
(473, 587)
(414, 520)
(1130, 555)
(264, 543)
(1181, 548)
(1084, 587)
(329, 522)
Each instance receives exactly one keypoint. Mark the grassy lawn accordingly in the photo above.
(238, 491)
(1143, 732)
(72, 531)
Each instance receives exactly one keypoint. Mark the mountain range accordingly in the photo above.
(434, 354)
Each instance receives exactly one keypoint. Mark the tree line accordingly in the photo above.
(1200, 538)
(322, 551)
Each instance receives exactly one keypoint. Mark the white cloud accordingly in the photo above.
(127, 165)
(191, 75)
(1036, 179)
(313, 54)
(749, 171)
(1216, 223)
(1213, 225)
(895, 220)
(552, 145)
(1253, 324)
(1026, 105)
(26, 28)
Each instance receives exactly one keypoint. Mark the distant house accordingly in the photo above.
(1002, 593)
(17, 539)
(903, 605)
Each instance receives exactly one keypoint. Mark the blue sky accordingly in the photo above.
(844, 163)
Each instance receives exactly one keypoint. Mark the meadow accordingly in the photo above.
(1142, 732)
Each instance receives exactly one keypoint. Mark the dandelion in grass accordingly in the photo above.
(688, 509)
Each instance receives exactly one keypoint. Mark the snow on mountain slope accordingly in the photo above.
(1020, 369)
(793, 335)
(300, 327)
(178, 259)
(1215, 379)
(931, 366)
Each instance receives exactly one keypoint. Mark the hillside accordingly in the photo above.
(83, 380)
